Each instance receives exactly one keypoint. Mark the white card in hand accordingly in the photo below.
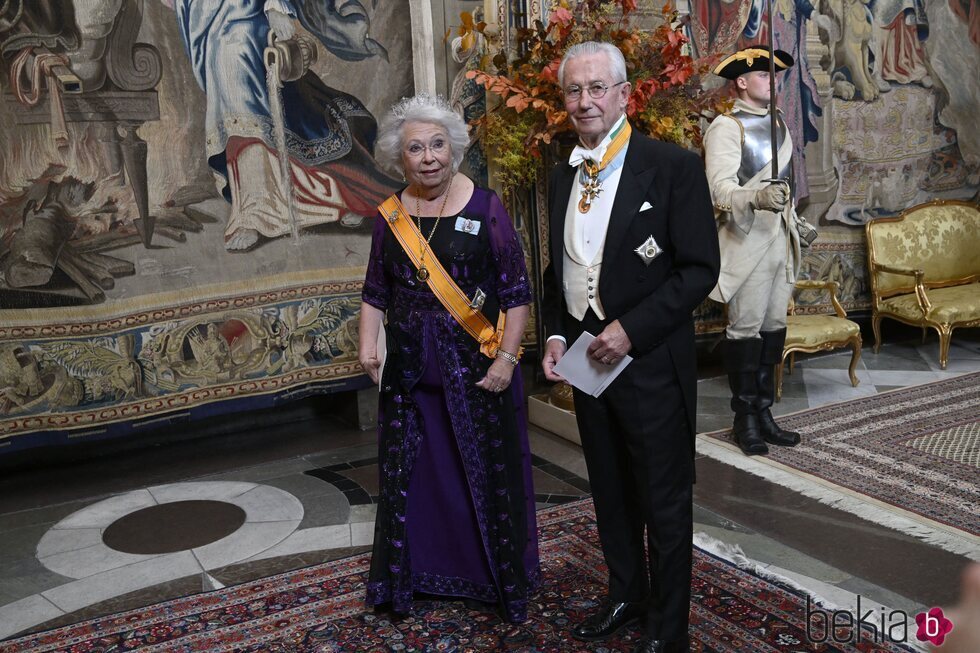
(587, 374)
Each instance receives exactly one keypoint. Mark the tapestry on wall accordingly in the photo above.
(186, 199)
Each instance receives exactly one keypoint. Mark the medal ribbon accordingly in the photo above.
(590, 170)
(439, 281)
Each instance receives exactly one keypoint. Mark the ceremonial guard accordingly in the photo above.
(758, 238)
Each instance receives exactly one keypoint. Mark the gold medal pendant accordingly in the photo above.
(591, 186)
(590, 191)
(422, 273)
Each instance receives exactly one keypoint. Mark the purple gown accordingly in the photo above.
(456, 506)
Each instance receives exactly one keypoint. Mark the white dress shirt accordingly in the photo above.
(589, 233)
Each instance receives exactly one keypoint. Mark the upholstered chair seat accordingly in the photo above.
(949, 305)
(818, 332)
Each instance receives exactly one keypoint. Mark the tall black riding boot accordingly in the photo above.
(772, 355)
(742, 365)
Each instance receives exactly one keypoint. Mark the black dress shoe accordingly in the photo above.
(612, 618)
(647, 645)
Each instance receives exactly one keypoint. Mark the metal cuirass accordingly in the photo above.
(756, 148)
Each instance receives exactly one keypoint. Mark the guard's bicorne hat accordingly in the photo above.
(749, 59)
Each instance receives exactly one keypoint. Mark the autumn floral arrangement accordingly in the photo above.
(526, 124)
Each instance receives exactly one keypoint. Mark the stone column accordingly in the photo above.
(820, 173)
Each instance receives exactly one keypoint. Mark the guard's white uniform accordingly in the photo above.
(760, 249)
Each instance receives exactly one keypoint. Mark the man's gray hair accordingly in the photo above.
(420, 108)
(617, 64)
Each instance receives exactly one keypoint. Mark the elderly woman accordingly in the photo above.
(456, 508)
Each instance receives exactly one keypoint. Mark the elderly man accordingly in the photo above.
(760, 246)
(634, 251)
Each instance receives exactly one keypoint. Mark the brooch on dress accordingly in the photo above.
(478, 298)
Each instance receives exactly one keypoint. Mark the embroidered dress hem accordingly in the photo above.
(381, 592)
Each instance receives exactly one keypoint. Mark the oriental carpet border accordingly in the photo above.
(908, 459)
(735, 608)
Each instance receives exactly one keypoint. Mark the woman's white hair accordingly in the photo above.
(617, 64)
(420, 108)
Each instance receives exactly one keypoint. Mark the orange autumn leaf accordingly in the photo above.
(561, 16)
(518, 103)
(676, 38)
(550, 72)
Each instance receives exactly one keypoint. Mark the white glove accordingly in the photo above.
(772, 198)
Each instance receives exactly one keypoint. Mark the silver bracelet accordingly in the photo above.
(507, 356)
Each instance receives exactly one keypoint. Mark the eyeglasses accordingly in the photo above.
(596, 90)
(415, 150)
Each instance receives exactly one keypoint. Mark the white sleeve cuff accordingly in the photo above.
(562, 338)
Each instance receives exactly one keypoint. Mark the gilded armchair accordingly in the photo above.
(925, 269)
(820, 332)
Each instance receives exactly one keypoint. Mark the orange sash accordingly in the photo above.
(442, 285)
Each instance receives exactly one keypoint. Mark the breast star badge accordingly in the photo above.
(648, 251)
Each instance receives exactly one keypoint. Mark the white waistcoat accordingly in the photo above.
(580, 281)
(585, 234)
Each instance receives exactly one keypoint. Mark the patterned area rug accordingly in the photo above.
(909, 459)
(320, 609)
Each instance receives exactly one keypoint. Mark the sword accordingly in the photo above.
(772, 95)
(773, 126)
(805, 230)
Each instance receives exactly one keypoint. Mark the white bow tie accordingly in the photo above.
(580, 154)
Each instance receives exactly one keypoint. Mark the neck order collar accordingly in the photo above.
(607, 139)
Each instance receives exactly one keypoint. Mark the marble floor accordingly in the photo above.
(223, 503)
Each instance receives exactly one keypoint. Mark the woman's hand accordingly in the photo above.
(368, 330)
(498, 377)
(371, 364)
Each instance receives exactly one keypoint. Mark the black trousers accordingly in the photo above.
(641, 470)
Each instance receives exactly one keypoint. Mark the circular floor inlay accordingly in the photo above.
(174, 526)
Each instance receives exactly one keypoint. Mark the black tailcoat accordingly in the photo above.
(638, 437)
